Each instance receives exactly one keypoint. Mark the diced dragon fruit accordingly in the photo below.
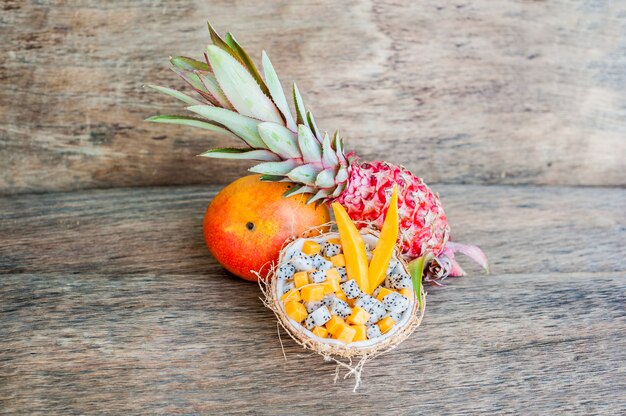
(343, 274)
(317, 276)
(395, 303)
(326, 265)
(321, 315)
(398, 281)
(311, 306)
(288, 286)
(395, 316)
(394, 266)
(351, 289)
(302, 264)
(365, 301)
(330, 249)
(285, 271)
(340, 308)
(373, 332)
(309, 322)
(317, 261)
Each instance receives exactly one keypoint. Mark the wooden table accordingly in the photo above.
(514, 111)
(110, 303)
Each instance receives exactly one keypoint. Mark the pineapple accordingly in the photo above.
(236, 100)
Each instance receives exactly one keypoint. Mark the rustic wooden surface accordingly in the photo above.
(483, 92)
(109, 303)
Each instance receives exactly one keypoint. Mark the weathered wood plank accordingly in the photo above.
(482, 92)
(159, 230)
(111, 343)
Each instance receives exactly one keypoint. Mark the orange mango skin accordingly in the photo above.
(275, 219)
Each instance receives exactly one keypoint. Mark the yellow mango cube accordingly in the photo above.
(293, 294)
(345, 334)
(310, 247)
(386, 324)
(332, 273)
(341, 295)
(335, 241)
(331, 286)
(381, 293)
(338, 261)
(352, 302)
(295, 310)
(361, 333)
(320, 331)
(359, 316)
(334, 324)
(300, 279)
(407, 293)
(312, 293)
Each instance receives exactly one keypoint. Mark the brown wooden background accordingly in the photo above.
(514, 111)
(483, 92)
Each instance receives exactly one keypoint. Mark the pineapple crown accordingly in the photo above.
(235, 100)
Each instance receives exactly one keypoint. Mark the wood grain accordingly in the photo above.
(183, 344)
(111, 304)
(481, 92)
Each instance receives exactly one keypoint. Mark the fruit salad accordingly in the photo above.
(347, 286)
(318, 294)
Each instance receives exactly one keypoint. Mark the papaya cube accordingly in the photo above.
(310, 247)
(335, 241)
(333, 273)
(320, 331)
(300, 279)
(341, 295)
(293, 294)
(386, 324)
(361, 333)
(295, 310)
(407, 293)
(312, 293)
(334, 324)
(381, 293)
(345, 334)
(331, 284)
(359, 316)
(338, 261)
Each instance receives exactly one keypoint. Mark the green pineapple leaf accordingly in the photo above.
(299, 189)
(325, 179)
(245, 154)
(241, 88)
(190, 121)
(416, 269)
(176, 94)
(329, 158)
(299, 104)
(276, 91)
(309, 146)
(210, 83)
(321, 194)
(312, 125)
(245, 59)
(271, 178)
(280, 140)
(219, 42)
(244, 127)
(189, 64)
(305, 174)
(274, 168)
